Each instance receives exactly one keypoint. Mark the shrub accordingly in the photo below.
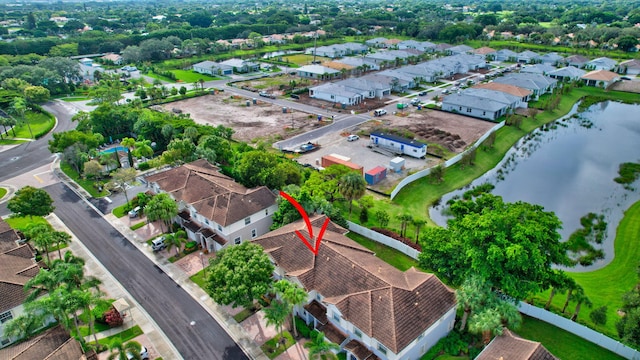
(599, 315)
(190, 245)
(113, 318)
(144, 166)
(364, 215)
(303, 328)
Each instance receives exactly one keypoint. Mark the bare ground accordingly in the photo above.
(452, 131)
(250, 123)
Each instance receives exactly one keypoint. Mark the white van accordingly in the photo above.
(135, 212)
(379, 112)
(158, 244)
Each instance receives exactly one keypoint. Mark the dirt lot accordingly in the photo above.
(261, 120)
(451, 131)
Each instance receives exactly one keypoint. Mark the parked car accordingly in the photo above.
(445, 91)
(415, 101)
(135, 212)
(144, 354)
(625, 78)
(353, 137)
(158, 244)
(422, 93)
(379, 112)
(266, 94)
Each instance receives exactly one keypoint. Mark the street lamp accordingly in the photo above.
(202, 261)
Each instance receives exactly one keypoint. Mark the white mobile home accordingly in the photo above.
(399, 144)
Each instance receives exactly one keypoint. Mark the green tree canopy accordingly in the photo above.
(239, 275)
(30, 201)
(510, 245)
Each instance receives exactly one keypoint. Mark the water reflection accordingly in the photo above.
(568, 167)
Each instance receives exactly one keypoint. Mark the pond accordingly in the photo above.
(569, 168)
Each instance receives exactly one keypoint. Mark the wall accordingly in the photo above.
(579, 330)
(383, 239)
(420, 174)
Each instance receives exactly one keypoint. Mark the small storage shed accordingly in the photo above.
(329, 160)
(375, 175)
(396, 164)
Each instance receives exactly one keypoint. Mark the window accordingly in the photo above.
(357, 332)
(219, 228)
(460, 108)
(254, 233)
(237, 240)
(484, 113)
(5, 316)
(382, 349)
(266, 212)
(333, 97)
(5, 341)
(336, 317)
(469, 110)
(318, 297)
(247, 221)
(206, 221)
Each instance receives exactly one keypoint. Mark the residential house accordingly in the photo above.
(214, 209)
(512, 347)
(569, 73)
(552, 58)
(114, 58)
(528, 57)
(53, 344)
(629, 67)
(369, 86)
(389, 57)
(505, 55)
(523, 94)
(317, 72)
(602, 63)
(376, 42)
(578, 61)
(399, 80)
(542, 69)
(600, 78)
(359, 63)
(371, 309)
(18, 267)
(241, 66)
(485, 51)
(481, 103)
(423, 72)
(392, 43)
(212, 68)
(398, 144)
(459, 49)
(442, 47)
(338, 93)
(88, 70)
(339, 66)
(423, 46)
(537, 83)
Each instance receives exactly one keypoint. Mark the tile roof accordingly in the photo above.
(569, 71)
(212, 194)
(360, 351)
(483, 50)
(633, 63)
(527, 80)
(505, 88)
(511, 347)
(54, 344)
(18, 267)
(577, 59)
(8, 236)
(600, 75)
(387, 304)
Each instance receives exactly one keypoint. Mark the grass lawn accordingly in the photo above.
(98, 327)
(389, 255)
(598, 285)
(190, 76)
(85, 183)
(123, 336)
(302, 59)
(272, 351)
(22, 222)
(121, 210)
(3, 192)
(75, 98)
(562, 344)
(159, 77)
(138, 225)
(200, 279)
(40, 124)
(11, 141)
(243, 315)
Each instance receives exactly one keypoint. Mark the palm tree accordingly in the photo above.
(43, 241)
(318, 346)
(60, 238)
(18, 108)
(404, 220)
(418, 223)
(276, 314)
(120, 351)
(486, 322)
(161, 207)
(292, 295)
(559, 281)
(570, 287)
(581, 298)
(175, 239)
(352, 186)
(472, 295)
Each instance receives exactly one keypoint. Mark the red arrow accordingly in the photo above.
(305, 216)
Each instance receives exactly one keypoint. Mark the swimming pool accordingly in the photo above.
(114, 149)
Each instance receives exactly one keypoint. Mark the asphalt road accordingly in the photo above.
(32, 155)
(165, 301)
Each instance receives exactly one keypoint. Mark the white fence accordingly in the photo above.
(579, 330)
(420, 174)
(383, 239)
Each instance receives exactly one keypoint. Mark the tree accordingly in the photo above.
(19, 108)
(319, 347)
(292, 295)
(182, 91)
(36, 94)
(60, 238)
(239, 274)
(599, 315)
(175, 239)
(276, 314)
(511, 245)
(627, 43)
(162, 207)
(581, 298)
(418, 223)
(31, 202)
(405, 219)
(120, 179)
(352, 187)
(383, 217)
(437, 173)
(126, 351)
(93, 168)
